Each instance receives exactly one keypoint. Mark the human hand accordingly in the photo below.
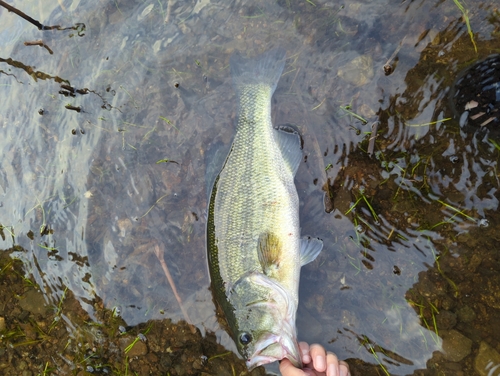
(317, 362)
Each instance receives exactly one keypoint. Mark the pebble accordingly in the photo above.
(446, 320)
(138, 349)
(456, 346)
(358, 72)
(466, 314)
(33, 302)
(198, 364)
(487, 362)
(22, 365)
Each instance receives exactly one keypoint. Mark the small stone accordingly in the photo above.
(487, 362)
(22, 365)
(33, 302)
(474, 262)
(451, 369)
(125, 225)
(198, 364)
(358, 72)
(447, 303)
(466, 314)
(455, 345)
(138, 349)
(367, 112)
(446, 320)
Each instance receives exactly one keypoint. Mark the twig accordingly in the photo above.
(388, 68)
(39, 43)
(23, 15)
(79, 26)
(159, 255)
(169, 7)
(373, 136)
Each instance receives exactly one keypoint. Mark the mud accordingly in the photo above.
(41, 339)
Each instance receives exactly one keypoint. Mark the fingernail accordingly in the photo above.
(332, 370)
(343, 372)
(305, 356)
(319, 363)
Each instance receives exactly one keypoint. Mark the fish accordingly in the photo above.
(255, 250)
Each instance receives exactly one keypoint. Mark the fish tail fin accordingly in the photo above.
(265, 69)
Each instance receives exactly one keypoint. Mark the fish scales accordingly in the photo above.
(253, 234)
(255, 187)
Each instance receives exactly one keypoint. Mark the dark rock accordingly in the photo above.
(446, 320)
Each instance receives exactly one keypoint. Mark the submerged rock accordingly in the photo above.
(446, 320)
(466, 314)
(455, 345)
(358, 72)
(33, 302)
(487, 362)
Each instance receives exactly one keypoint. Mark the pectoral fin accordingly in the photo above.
(309, 249)
(269, 251)
(290, 144)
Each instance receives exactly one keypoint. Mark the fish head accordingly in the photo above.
(264, 329)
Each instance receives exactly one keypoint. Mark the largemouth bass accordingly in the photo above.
(255, 250)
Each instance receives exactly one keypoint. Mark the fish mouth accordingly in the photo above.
(275, 347)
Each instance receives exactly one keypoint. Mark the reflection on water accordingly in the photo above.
(99, 196)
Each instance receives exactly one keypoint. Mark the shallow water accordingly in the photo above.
(410, 229)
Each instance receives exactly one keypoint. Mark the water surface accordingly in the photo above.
(108, 133)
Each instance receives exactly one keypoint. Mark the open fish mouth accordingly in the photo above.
(275, 347)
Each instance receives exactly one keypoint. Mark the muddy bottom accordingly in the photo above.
(41, 339)
(457, 298)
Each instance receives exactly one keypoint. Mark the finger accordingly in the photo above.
(288, 369)
(332, 365)
(318, 356)
(344, 368)
(304, 350)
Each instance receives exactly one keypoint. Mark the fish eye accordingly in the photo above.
(245, 338)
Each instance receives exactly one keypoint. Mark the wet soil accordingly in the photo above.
(457, 297)
(41, 339)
